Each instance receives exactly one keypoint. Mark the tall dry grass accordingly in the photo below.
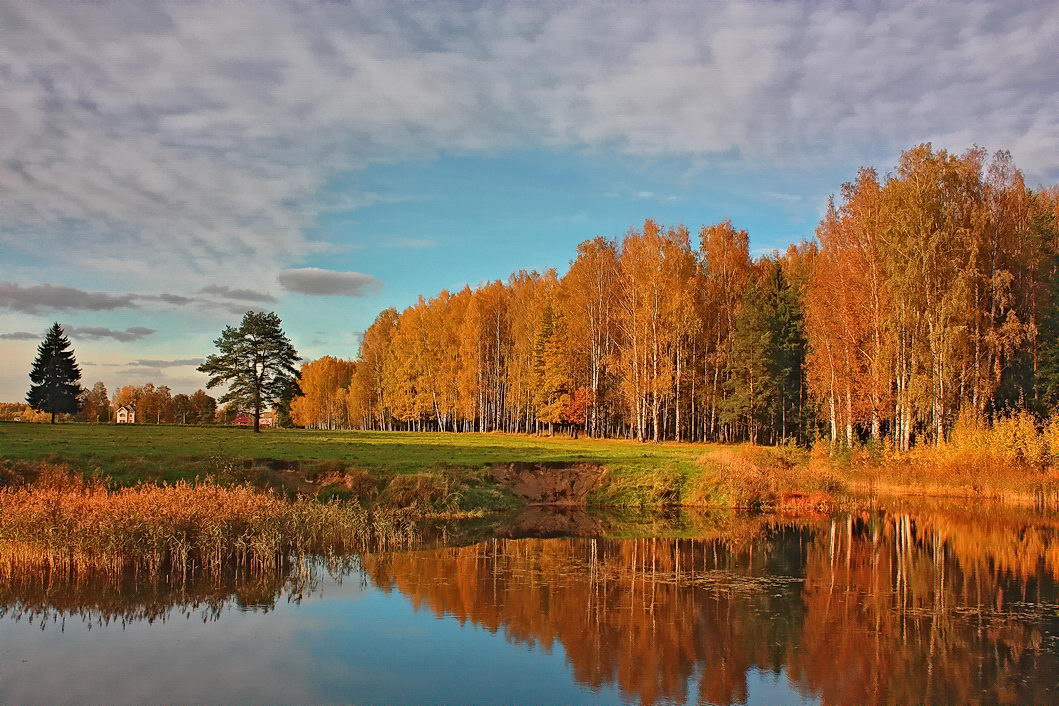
(1014, 458)
(67, 525)
(775, 477)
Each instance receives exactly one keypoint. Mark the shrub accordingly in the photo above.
(758, 476)
(1014, 439)
(665, 485)
(1050, 434)
(429, 492)
(354, 484)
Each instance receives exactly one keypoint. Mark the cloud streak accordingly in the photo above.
(246, 295)
(44, 298)
(410, 243)
(40, 298)
(177, 363)
(314, 281)
(96, 333)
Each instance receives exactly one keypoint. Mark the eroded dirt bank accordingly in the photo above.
(550, 483)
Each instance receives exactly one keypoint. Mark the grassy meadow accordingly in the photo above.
(129, 453)
(451, 474)
(442, 470)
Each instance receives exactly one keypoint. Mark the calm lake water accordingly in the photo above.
(940, 606)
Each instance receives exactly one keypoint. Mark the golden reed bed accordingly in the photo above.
(65, 524)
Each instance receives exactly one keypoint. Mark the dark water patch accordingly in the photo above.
(545, 522)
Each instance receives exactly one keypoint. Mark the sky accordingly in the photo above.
(165, 167)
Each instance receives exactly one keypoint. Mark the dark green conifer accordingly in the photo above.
(256, 362)
(56, 376)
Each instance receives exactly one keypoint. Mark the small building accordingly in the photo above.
(126, 414)
(268, 420)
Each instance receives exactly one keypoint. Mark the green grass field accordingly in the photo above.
(446, 472)
(136, 453)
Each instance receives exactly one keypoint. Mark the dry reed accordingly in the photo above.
(1015, 459)
(67, 526)
(761, 477)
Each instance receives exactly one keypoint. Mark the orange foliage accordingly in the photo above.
(868, 609)
(923, 296)
(325, 386)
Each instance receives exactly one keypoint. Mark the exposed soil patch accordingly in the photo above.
(550, 483)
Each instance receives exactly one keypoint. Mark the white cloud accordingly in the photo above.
(780, 196)
(181, 143)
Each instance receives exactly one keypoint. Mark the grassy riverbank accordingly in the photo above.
(443, 473)
(442, 470)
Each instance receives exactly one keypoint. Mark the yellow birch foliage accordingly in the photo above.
(325, 384)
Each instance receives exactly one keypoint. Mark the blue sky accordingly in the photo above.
(164, 166)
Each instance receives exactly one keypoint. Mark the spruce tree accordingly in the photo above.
(766, 382)
(751, 386)
(256, 361)
(56, 376)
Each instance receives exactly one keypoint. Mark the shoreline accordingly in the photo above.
(469, 475)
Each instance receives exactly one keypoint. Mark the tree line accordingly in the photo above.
(927, 293)
(153, 404)
(254, 360)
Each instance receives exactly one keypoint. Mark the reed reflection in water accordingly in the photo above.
(939, 607)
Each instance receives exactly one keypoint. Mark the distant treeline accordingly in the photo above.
(925, 294)
(153, 405)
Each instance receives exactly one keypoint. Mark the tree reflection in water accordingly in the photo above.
(936, 606)
(100, 599)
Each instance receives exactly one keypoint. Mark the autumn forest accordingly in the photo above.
(927, 293)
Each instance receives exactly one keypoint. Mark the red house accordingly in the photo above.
(268, 419)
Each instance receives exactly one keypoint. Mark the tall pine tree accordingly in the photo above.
(256, 361)
(56, 377)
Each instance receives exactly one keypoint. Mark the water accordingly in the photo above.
(935, 606)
